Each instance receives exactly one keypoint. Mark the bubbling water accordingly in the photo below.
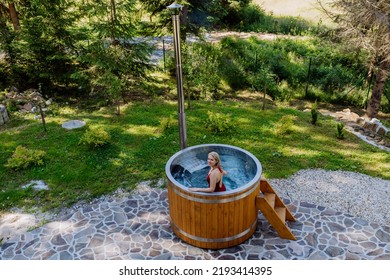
(239, 173)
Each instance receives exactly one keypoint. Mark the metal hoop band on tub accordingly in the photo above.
(211, 201)
(214, 240)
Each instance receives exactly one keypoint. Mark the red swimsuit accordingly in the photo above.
(218, 187)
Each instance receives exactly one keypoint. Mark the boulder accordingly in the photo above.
(3, 115)
(382, 131)
(73, 124)
(347, 116)
(354, 117)
(360, 120)
(370, 126)
(27, 107)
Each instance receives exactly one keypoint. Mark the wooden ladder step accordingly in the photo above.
(274, 210)
(274, 218)
(281, 212)
(270, 198)
(265, 187)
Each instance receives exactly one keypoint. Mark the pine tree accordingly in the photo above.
(42, 49)
(114, 60)
(366, 24)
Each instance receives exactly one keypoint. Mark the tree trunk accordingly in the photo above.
(42, 117)
(14, 15)
(377, 89)
(370, 73)
(113, 22)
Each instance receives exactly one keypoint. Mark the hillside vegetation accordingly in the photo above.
(145, 136)
(87, 64)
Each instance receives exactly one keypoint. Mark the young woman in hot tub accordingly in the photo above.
(215, 175)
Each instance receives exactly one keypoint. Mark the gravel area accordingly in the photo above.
(352, 193)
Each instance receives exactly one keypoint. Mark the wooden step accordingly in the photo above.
(274, 210)
(270, 198)
(274, 219)
(281, 212)
(265, 187)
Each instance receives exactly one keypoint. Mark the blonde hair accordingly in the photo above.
(215, 155)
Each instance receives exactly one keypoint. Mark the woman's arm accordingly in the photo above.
(201, 190)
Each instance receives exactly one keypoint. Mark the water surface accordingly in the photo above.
(239, 173)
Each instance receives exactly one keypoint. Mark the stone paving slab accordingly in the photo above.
(137, 227)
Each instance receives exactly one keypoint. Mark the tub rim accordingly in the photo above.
(242, 188)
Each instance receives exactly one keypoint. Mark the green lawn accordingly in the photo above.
(307, 9)
(139, 148)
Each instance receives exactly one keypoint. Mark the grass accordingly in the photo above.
(307, 9)
(283, 139)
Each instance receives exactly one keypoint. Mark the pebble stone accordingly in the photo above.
(137, 226)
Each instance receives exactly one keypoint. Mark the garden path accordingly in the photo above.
(166, 42)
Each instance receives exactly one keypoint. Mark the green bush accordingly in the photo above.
(201, 62)
(266, 81)
(254, 18)
(314, 113)
(281, 65)
(11, 104)
(234, 63)
(340, 130)
(219, 123)
(24, 157)
(292, 25)
(95, 137)
(385, 106)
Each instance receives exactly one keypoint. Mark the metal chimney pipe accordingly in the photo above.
(179, 76)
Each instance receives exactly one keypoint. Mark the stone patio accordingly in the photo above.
(136, 226)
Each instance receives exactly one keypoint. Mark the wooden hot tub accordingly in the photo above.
(213, 220)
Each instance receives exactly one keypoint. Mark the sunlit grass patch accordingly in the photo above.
(283, 139)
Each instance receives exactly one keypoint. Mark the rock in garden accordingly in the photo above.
(3, 115)
(73, 124)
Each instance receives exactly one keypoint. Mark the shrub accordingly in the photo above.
(254, 18)
(24, 157)
(233, 63)
(291, 25)
(12, 105)
(219, 123)
(314, 113)
(340, 130)
(385, 106)
(95, 137)
(201, 70)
